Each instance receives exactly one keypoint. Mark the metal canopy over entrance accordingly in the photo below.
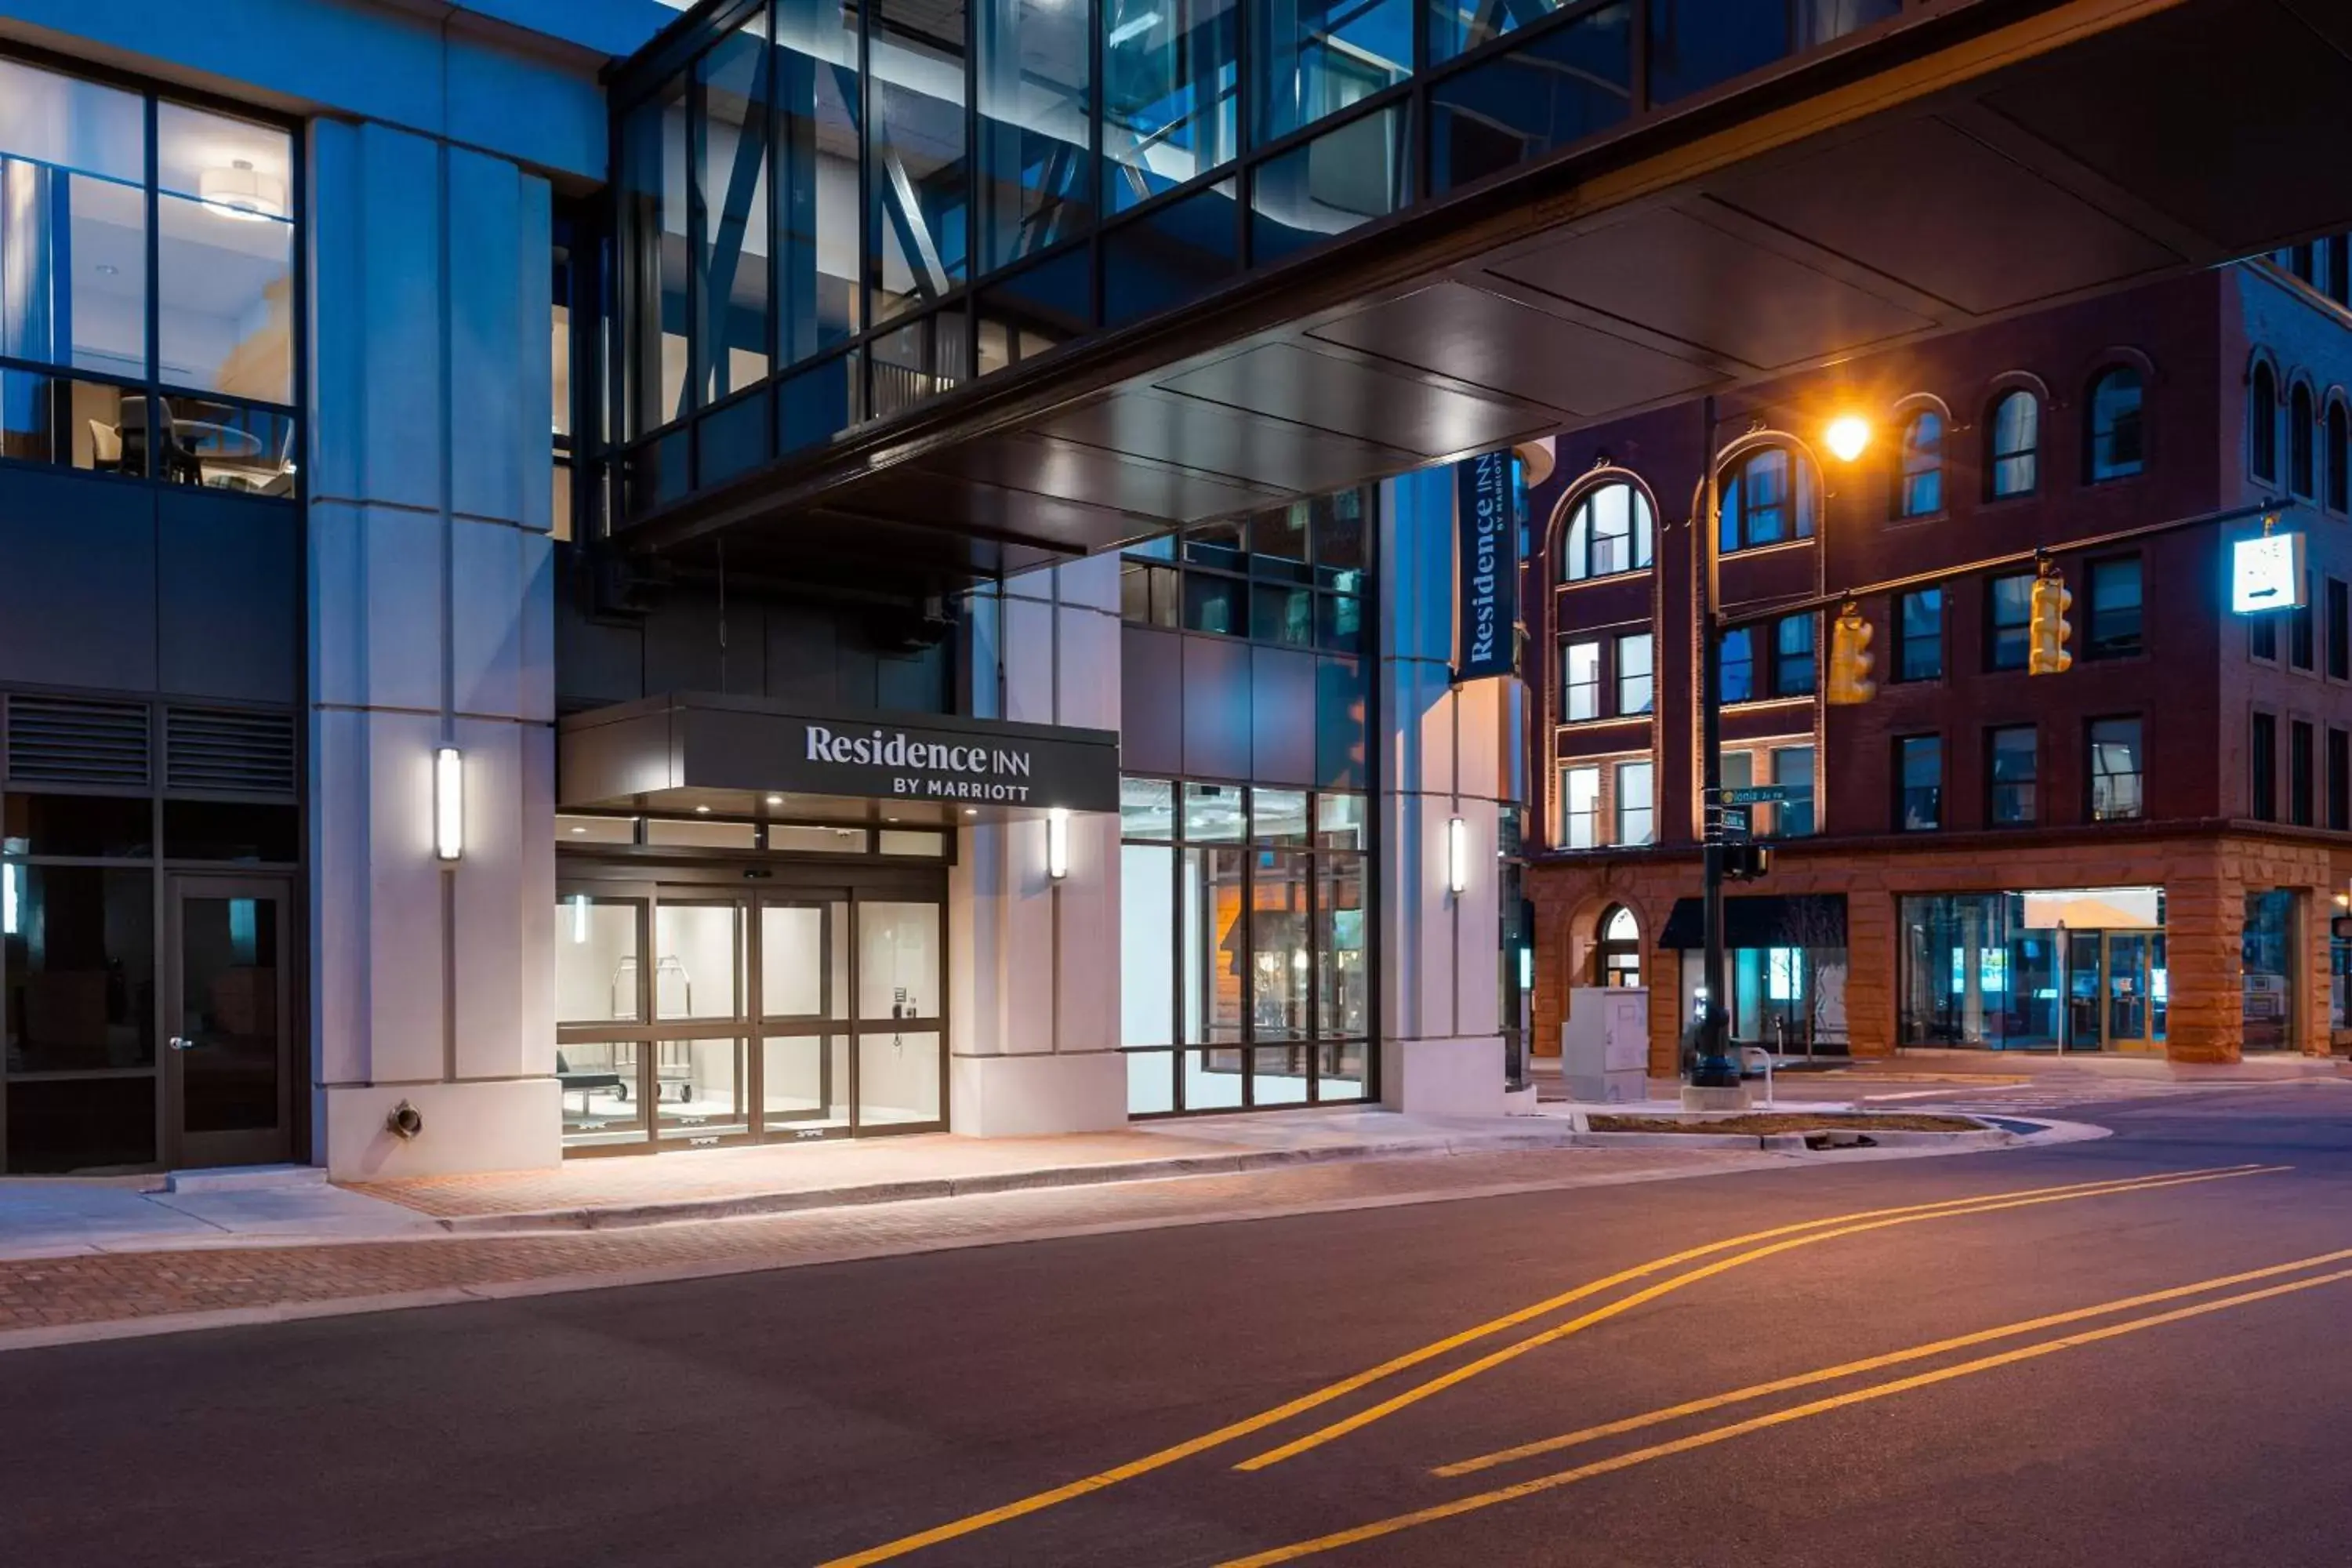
(1960, 163)
(747, 757)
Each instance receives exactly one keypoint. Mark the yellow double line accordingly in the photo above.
(1805, 1230)
(1713, 1435)
(1623, 1304)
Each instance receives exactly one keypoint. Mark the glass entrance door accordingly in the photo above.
(696, 1015)
(2130, 1015)
(2085, 972)
(229, 1070)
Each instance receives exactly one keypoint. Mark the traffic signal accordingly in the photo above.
(1850, 658)
(1746, 862)
(2050, 628)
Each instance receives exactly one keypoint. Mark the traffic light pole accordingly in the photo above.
(1714, 1068)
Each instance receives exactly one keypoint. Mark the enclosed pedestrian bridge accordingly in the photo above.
(943, 288)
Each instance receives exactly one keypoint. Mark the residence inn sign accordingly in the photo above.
(631, 755)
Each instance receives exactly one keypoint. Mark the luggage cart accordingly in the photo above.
(672, 1059)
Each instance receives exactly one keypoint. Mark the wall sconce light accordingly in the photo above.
(449, 802)
(1057, 843)
(1457, 855)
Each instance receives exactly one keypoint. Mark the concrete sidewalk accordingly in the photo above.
(293, 1205)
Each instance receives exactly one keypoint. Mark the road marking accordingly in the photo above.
(1087, 1485)
(1623, 1304)
(1713, 1435)
(1873, 1363)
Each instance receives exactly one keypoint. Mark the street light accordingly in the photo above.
(1846, 438)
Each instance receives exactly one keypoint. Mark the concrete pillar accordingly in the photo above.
(1445, 751)
(2204, 921)
(431, 600)
(1034, 965)
(1873, 964)
(2314, 908)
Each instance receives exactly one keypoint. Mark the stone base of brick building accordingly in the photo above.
(2205, 872)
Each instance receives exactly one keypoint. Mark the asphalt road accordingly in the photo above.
(822, 1415)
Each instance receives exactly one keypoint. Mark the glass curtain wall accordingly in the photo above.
(1245, 976)
(839, 210)
(147, 286)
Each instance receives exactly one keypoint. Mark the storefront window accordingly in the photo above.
(2268, 950)
(1243, 979)
(2073, 969)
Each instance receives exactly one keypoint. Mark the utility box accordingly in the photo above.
(1604, 1044)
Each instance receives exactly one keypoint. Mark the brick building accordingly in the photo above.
(2142, 854)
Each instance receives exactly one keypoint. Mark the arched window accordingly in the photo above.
(2118, 439)
(1919, 485)
(1618, 952)
(1768, 500)
(2301, 418)
(1610, 532)
(2340, 456)
(2262, 430)
(2013, 456)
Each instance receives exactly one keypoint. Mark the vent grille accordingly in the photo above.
(224, 749)
(58, 739)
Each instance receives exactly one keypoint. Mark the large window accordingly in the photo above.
(1579, 681)
(1636, 674)
(2013, 453)
(1580, 807)
(1919, 466)
(2115, 437)
(2339, 629)
(2301, 637)
(2302, 420)
(1315, 58)
(1170, 93)
(1609, 531)
(2118, 762)
(147, 286)
(2339, 780)
(1246, 977)
(2299, 761)
(2262, 424)
(1792, 657)
(2012, 775)
(1294, 575)
(2339, 460)
(1919, 623)
(1735, 665)
(2114, 609)
(1792, 769)
(1919, 787)
(1767, 500)
(1636, 810)
(2009, 621)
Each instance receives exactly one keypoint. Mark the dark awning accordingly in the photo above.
(1771, 920)
(747, 756)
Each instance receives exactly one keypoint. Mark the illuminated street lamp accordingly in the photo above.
(1847, 437)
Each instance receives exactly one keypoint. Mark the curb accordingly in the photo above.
(631, 1215)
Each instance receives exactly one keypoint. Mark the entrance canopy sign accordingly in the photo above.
(746, 756)
(2266, 573)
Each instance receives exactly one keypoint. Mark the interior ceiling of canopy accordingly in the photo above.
(2083, 148)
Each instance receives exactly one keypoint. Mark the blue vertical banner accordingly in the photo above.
(1486, 567)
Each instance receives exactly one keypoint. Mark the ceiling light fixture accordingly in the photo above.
(242, 192)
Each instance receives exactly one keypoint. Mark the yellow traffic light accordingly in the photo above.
(1850, 660)
(2051, 629)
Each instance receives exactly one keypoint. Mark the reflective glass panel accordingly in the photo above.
(82, 826)
(596, 959)
(1279, 1075)
(1147, 941)
(81, 945)
(1279, 947)
(703, 1089)
(73, 223)
(798, 955)
(1170, 86)
(1213, 952)
(697, 959)
(898, 1077)
(1171, 256)
(1036, 177)
(652, 243)
(899, 961)
(1343, 1003)
(603, 1097)
(1212, 813)
(1314, 57)
(917, 235)
(1151, 1082)
(815, 95)
(1327, 188)
(805, 1083)
(1213, 1080)
(1554, 90)
(1146, 808)
(731, 167)
(224, 256)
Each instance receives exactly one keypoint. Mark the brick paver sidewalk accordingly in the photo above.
(97, 1288)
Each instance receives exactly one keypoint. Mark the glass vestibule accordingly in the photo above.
(694, 1013)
